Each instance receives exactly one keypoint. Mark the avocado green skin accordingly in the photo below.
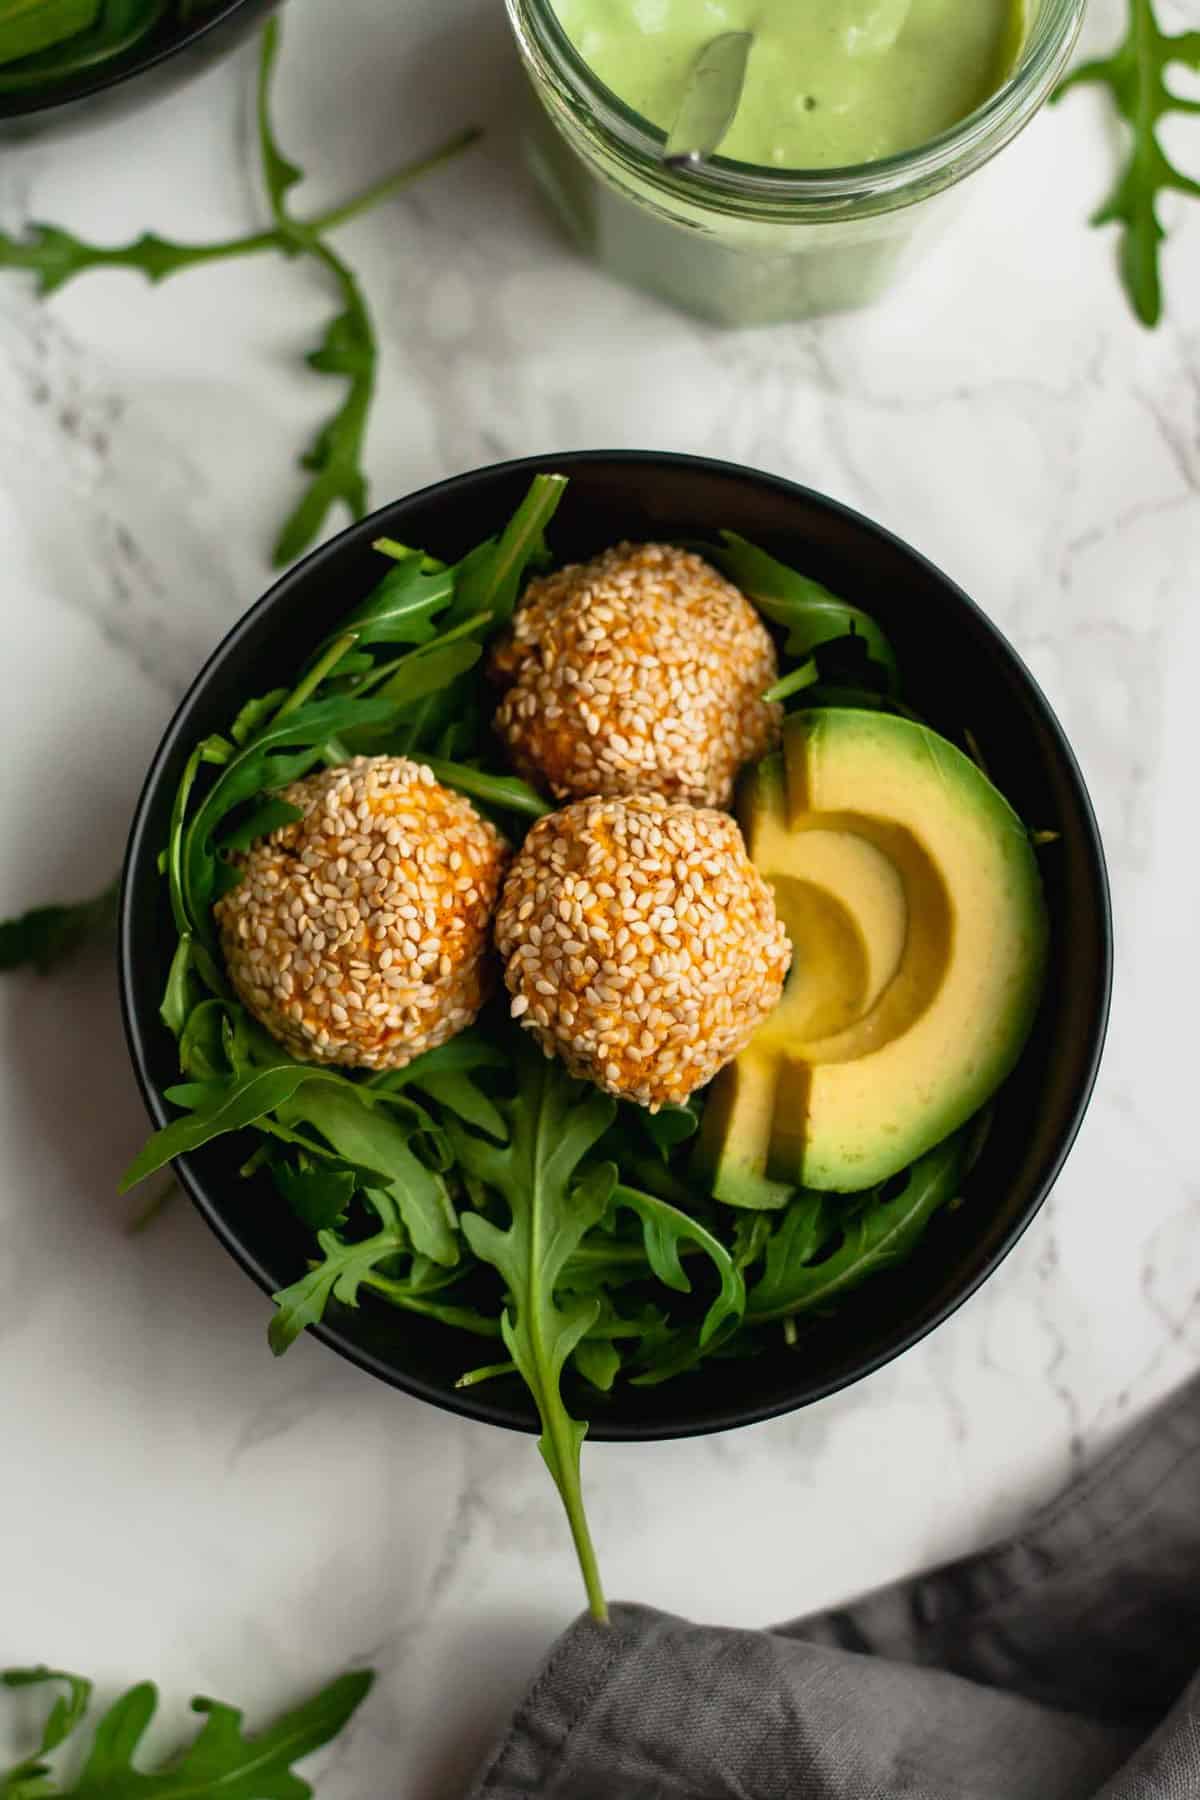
(907, 1108)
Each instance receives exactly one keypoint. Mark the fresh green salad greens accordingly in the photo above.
(44, 43)
(49, 935)
(348, 350)
(481, 1187)
(1136, 75)
(221, 1759)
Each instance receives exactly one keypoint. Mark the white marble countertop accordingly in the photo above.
(175, 1503)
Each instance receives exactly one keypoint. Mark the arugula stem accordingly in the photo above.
(55, 263)
(496, 586)
(49, 934)
(305, 689)
(599, 1256)
(501, 790)
(399, 1293)
(489, 1372)
(349, 348)
(577, 1520)
(154, 1208)
(386, 546)
(391, 184)
(157, 257)
(560, 1447)
(807, 675)
(385, 670)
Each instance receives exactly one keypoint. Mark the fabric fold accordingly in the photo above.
(1054, 1667)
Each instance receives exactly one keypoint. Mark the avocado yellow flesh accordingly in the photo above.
(912, 898)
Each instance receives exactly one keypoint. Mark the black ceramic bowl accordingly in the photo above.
(958, 671)
(167, 56)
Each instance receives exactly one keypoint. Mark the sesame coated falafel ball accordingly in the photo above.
(359, 933)
(641, 944)
(641, 671)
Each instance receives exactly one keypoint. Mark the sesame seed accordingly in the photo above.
(650, 1022)
(588, 706)
(321, 908)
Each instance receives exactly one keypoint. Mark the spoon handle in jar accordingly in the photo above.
(711, 98)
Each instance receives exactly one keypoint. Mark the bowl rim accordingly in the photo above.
(44, 102)
(468, 1404)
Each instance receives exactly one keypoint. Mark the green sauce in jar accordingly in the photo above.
(830, 83)
(859, 128)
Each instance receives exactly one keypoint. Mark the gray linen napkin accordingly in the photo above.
(1060, 1666)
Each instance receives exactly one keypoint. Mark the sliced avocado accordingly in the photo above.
(911, 894)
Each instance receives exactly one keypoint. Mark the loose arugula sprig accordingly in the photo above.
(1136, 76)
(222, 1759)
(49, 935)
(44, 43)
(348, 350)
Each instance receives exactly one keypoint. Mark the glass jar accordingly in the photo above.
(745, 245)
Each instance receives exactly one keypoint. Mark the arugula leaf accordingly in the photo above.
(666, 1354)
(49, 935)
(255, 714)
(810, 614)
(280, 175)
(318, 1195)
(400, 609)
(667, 1128)
(177, 1007)
(491, 578)
(420, 676)
(27, 1779)
(114, 27)
(254, 770)
(445, 1075)
(752, 1231)
(1136, 76)
(344, 1268)
(225, 1106)
(221, 1760)
(599, 1361)
(27, 26)
(553, 1123)
(348, 349)
(802, 1232)
(881, 1232)
(202, 1053)
(390, 679)
(55, 256)
(339, 1274)
(508, 792)
(664, 1228)
(334, 458)
(465, 1098)
(215, 750)
(271, 816)
(364, 1134)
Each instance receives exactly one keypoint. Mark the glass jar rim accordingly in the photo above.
(928, 166)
